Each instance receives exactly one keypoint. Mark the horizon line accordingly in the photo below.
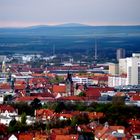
(32, 24)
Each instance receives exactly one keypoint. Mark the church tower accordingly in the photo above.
(69, 85)
(3, 67)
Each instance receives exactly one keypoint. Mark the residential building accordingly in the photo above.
(131, 67)
(114, 81)
(80, 80)
(113, 69)
(120, 53)
(122, 66)
(133, 70)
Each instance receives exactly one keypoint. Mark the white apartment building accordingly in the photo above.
(113, 69)
(80, 80)
(122, 66)
(117, 81)
(133, 69)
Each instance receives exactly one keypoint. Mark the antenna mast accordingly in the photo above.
(95, 55)
(54, 50)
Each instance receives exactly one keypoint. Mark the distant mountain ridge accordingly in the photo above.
(69, 25)
(72, 29)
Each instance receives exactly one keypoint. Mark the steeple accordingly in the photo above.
(3, 67)
(69, 84)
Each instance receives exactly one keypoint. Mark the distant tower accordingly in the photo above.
(3, 67)
(95, 53)
(120, 53)
(13, 83)
(27, 87)
(69, 85)
(53, 50)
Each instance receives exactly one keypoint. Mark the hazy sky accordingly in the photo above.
(95, 12)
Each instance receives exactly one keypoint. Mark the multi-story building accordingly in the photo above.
(117, 81)
(80, 80)
(120, 53)
(129, 67)
(122, 66)
(133, 69)
(113, 69)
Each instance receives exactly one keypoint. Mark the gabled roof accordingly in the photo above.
(95, 92)
(95, 115)
(40, 136)
(42, 95)
(66, 137)
(61, 131)
(8, 108)
(25, 136)
(108, 130)
(59, 88)
(42, 112)
(5, 86)
(3, 128)
(64, 115)
(135, 98)
(71, 98)
(29, 98)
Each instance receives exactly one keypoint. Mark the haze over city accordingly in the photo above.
(19, 13)
(69, 69)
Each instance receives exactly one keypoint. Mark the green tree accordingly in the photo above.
(82, 94)
(118, 100)
(23, 118)
(11, 127)
(8, 98)
(57, 79)
(81, 106)
(60, 106)
(81, 119)
(23, 107)
(36, 103)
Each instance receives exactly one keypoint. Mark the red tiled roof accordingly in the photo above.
(134, 126)
(135, 98)
(64, 115)
(107, 130)
(38, 80)
(44, 113)
(37, 74)
(74, 98)
(19, 87)
(85, 128)
(25, 136)
(120, 94)
(95, 115)
(3, 128)
(8, 108)
(41, 136)
(61, 131)
(133, 93)
(30, 98)
(59, 88)
(95, 92)
(42, 95)
(66, 137)
(100, 78)
(20, 82)
(5, 86)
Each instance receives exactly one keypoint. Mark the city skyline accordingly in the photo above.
(17, 13)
